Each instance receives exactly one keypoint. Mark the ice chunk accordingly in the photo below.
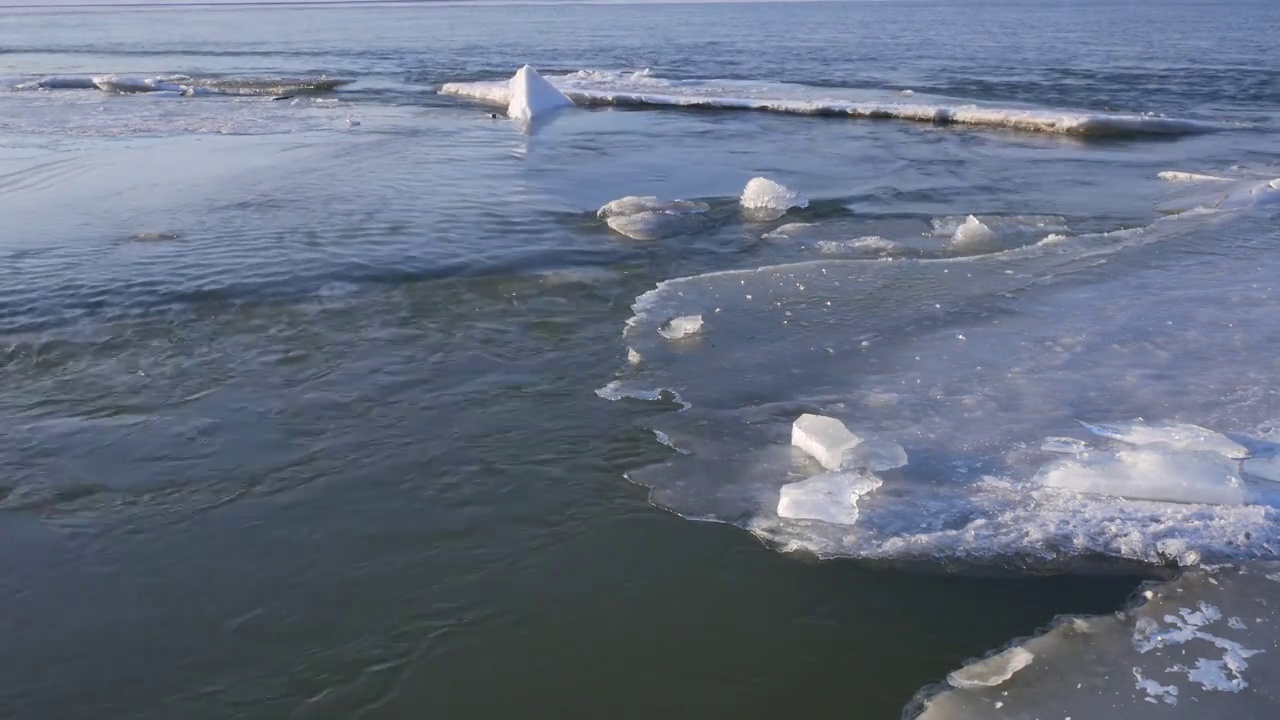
(1065, 445)
(993, 670)
(633, 204)
(829, 497)
(825, 438)
(681, 327)
(1266, 468)
(1179, 176)
(765, 199)
(790, 231)
(651, 218)
(1182, 436)
(1152, 472)
(870, 244)
(973, 236)
(876, 455)
(532, 96)
(59, 82)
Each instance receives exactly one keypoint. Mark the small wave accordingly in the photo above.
(643, 89)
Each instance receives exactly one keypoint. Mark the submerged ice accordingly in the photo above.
(1176, 655)
(652, 218)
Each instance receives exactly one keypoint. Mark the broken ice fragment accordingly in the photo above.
(829, 497)
(681, 327)
(993, 670)
(825, 438)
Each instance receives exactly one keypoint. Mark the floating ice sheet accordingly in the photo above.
(1176, 656)
(1180, 436)
(651, 218)
(829, 497)
(644, 89)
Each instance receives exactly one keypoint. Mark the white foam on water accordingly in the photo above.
(533, 97)
(1171, 657)
(830, 497)
(644, 89)
(1180, 436)
(1152, 472)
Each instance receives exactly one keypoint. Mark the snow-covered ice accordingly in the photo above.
(766, 199)
(532, 96)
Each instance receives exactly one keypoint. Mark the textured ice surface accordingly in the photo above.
(824, 438)
(681, 327)
(644, 89)
(1172, 657)
(651, 218)
(765, 199)
(1157, 471)
(532, 96)
(1182, 436)
(829, 497)
(993, 670)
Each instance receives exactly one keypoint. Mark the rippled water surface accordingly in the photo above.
(306, 365)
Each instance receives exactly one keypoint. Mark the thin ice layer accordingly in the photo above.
(1157, 471)
(644, 89)
(1176, 656)
(969, 364)
(1181, 436)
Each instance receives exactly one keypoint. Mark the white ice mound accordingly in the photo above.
(825, 438)
(681, 327)
(993, 670)
(829, 497)
(532, 96)
(973, 235)
(1182, 436)
(1267, 468)
(765, 198)
(1157, 471)
(651, 218)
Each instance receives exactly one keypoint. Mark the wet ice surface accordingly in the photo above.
(1206, 645)
(980, 367)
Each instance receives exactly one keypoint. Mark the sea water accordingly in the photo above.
(306, 346)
